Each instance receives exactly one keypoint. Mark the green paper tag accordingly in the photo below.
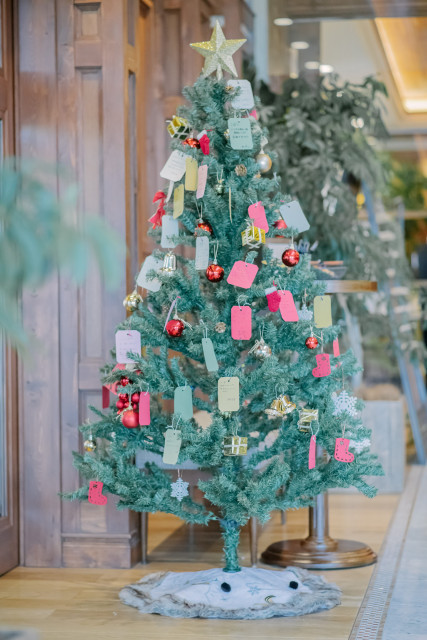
(172, 446)
(322, 312)
(209, 353)
(240, 133)
(183, 403)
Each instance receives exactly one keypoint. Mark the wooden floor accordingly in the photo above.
(80, 604)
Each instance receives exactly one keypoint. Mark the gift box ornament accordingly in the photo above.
(178, 128)
(235, 446)
(280, 407)
(253, 237)
(306, 417)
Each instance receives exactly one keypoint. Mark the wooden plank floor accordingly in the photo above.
(80, 604)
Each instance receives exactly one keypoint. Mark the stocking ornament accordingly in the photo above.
(342, 454)
(273, 298)
(323, 366)
(95, 493)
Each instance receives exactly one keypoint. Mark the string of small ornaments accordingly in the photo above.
(185, 174)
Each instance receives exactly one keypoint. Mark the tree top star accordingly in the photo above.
(218, 53)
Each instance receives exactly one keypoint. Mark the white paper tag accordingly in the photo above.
(170, 227)
(150, 264)
(201, 180)
(127, 340)
(174, 168)
(294, 216)
(245, 99)
(202, 253)
(228, 394)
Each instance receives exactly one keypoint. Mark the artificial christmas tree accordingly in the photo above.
(239, 347)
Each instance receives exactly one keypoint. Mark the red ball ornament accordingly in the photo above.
(175, 327)
(134, 406)
(135, 397)
(312, 343)
(130, 419)
(204, 226)
(124, 381)
(123, 396)
(192, 142)
(120, 404)
(290, 257)
(280, 224)
(214, 273)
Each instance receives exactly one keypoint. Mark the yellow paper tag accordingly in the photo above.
(191, 169)
(228, 394)
(178, 201)
(322, 312)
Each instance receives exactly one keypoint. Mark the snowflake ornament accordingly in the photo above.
(179, 489)
(305, 314)
(344, 403)
(360, 445)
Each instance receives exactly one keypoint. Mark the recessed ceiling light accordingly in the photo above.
(283, 22)
(299, 44)
(312, 64)
(326, 68)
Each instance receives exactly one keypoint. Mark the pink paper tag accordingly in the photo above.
(242, 274)
(312, 453)
(323, 365)
(202, 177)
(95, 493)
(241, 323)
(342, 454)
(273, 299)
(257, 214)
(105, 397)
(287, 307)
(144, 409)
(336, 348)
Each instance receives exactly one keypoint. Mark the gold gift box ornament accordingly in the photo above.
(235, 446)
(306, 417)
(178, 128)
(253, 237)
(280, 407)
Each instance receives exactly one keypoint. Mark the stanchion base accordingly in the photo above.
(336, 554)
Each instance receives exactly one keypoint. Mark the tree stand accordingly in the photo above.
(319, 550)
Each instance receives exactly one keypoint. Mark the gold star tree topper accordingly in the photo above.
(218, 53)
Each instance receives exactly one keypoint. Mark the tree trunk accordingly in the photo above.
(231, 535)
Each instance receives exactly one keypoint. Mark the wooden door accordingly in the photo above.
(9, 541)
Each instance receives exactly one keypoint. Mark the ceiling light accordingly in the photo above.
(283, 22)
(299, 44)
(326, 68)
(312, 64)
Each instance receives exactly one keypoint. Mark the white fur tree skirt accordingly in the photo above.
(247, 594)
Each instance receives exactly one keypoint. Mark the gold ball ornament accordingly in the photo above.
(264, 162)
(132, 301)
(227, 134)
(89, 445)
(220, 327)
(241, 170)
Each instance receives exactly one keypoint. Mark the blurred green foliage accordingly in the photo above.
(39, 233)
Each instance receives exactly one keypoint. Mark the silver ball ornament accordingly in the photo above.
(261, 350)
(264, 162)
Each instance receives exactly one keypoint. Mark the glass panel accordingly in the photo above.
(133, 174)
(3, 444)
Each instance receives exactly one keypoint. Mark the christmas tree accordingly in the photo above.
(231, 333)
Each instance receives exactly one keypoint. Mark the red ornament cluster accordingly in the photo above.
(311, 342)
(128, 408)
(175, 327)
(214, 273)
(290, 257)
